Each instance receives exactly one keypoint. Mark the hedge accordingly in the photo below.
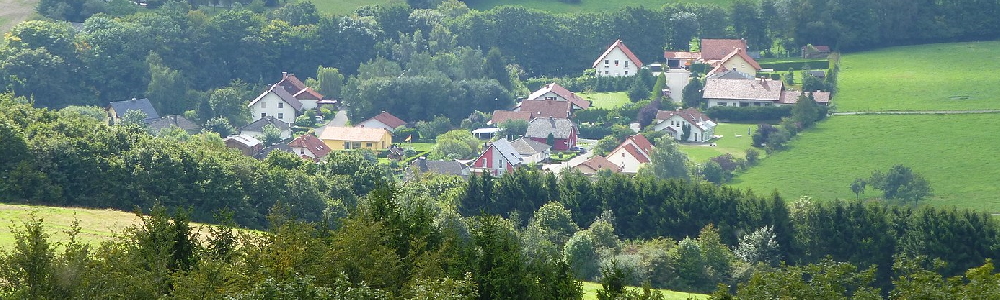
(784, 66)
(748, 114)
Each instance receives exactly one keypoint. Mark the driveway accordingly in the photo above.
(339, 120)
(573, 162)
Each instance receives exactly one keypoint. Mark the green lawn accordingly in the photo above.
(343, 7)
(584, 5)
(957, 76)
(590, 293)
(729, 143)
(956, 153)
(606, 100)
(97, 225)
(419, 147)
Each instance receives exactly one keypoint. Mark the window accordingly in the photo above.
(281, 116)
(626, 72)
(605, 72)
(605, 61)
(626, 64)
(262, 115)
(347, 145)
(281, 104)
(369, 145)
(616, 62)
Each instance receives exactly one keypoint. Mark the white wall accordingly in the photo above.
(373, 123)
(738, 63)
(625, 67)
(728, 102)
(269, 105)
(623, 159)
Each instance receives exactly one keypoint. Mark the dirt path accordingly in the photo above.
(13, 12)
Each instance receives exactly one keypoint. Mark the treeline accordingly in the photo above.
(72, 157)
(804, 232)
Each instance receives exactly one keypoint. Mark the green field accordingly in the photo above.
(13, 12)
(97, 225)
(956, 153)
(611, 100)
(344, 7)
(958, 76)
(584, 5)
(729, 143)
(590, 293)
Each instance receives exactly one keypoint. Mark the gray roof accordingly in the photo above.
(529, 147)
(283, 94)
(508, 151)
(278, 147)
(445, 167)
(122, 107)
(542, 127)
(731, 74)
(174, 120)
(258, 126)
(817, 73)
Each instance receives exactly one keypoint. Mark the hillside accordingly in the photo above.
(15, 11)
(97, 225)
(956, 153)
(340, 7)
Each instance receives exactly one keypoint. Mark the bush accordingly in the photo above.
(748, 114)
(793, 65)
(593, 131)
(592, 115)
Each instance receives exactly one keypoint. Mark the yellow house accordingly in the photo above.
(343, 138)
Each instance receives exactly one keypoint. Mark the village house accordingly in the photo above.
(248, 145)
(810, 51)
(383, 120)
(309, 146)
(700, 127)
(422, 165)
(256, 128)
(545, 109)
(286, 99)
(754, 92)
(173, 121)
(616, 61)
(345, 138)
(555, 92)
(720, 54)
(631, 154)
(597, 163)
(117, 110)
(531, 152)
(562, 132)
(499, 158)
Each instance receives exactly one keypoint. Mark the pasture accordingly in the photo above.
(583, 5)
(729, 143)
(590, 293)
(956, 76)
(13, 12)
(96, 225)
(610, 100)
(955, 153)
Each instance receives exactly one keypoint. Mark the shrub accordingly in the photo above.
(748, 114)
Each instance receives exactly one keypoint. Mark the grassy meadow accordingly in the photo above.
(13, 12)
(590, 293)
(956, 153)
(610, 100)
(344, 7)
(957, 76)
(583, 5)
(96, 225)
(729, 143)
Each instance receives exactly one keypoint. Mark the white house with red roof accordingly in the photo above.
(617, 60)
(499, 158)
(309, 146)
(754, 92)
(737, 60)
(383, 120)
(555, 92)
(675, 121)
(631, 154)
(721, 54)
(285, 100)
(306, 95)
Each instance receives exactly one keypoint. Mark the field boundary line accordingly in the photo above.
(918, 112)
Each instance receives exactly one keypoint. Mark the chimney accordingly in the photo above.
(422, 161)
(284, 74)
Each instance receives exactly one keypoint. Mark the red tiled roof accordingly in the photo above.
(389, 120)
(546, 108)
(628, 53)
(282, 94)
(743, 54)
(312, 143)
(714, 49)
(631, 149)
(500, 116)
(641, 142)
(298, 89)
(597, 163)
(562, 92)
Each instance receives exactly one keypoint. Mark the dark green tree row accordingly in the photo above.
(67, 158)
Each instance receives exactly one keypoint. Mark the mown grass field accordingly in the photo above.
(957, 76)
(583, 5)
(729, 143)
(96, 225)
(956, 153)
(606, 100)
(590, 293)
(13, 12)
